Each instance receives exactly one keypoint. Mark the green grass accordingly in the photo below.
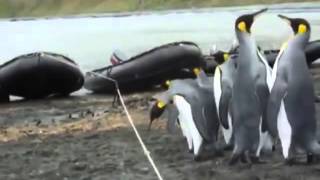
(23, 8)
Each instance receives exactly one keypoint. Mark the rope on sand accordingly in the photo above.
(145, 150)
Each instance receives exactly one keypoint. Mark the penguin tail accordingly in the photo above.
(314, 148)
(313, 151)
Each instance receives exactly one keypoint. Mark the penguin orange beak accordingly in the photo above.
(156, 111)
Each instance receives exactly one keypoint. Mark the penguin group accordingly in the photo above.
(254, 101)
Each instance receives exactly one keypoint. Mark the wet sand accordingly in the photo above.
(85, 137)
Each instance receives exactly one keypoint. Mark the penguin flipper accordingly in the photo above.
(197, 113)
(277, 94)
(210, 116)
(173, 114)
(224, 107)
(263, 96)
(201, 123)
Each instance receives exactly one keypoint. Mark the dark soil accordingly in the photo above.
(85, 137)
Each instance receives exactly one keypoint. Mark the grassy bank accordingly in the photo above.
(22, 8)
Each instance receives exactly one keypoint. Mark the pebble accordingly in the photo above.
(78, 166)
(144, 170)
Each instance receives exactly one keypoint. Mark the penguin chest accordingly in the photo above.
(284, 129)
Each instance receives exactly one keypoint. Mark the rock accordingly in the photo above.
(79, 166)
(144, 170)
(74, 116)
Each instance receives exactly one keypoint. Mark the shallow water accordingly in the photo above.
(91, 40)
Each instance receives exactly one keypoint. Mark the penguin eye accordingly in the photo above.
(242, 26)
(302, 28)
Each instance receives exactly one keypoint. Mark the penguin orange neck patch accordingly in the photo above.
(167, 83)
(302, 29)
(242, 26)
(160, 104)
(196, 71)
(225, 56)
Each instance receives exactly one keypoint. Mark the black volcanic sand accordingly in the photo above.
(85, 137)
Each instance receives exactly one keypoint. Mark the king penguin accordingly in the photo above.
(249, 95)
(291, 109)
(193, 105)
(222, 85)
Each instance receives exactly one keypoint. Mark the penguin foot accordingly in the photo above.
(190, 151)
(213, 149)
(312, 158)
(204, 157)
(227, 147)
(235, 159)
(289, 161)
(219, 152)
(254, 159)
(316, 99)
(257, 160)
(197, 158)
(243, 158)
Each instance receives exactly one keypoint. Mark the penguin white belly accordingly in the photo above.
(191, 129)
(268, 70)
(183, 123)
(285, 130)
(265, 140)
(227, 133)
(217, 88)
(185, 130)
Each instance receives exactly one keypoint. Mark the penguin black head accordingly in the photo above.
(166, 84)
(156, 111)
(298, 25)
(221, 57)
(244, 22)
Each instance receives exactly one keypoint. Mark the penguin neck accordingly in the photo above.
(300, 40)
(246, 43)
(243, 37)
